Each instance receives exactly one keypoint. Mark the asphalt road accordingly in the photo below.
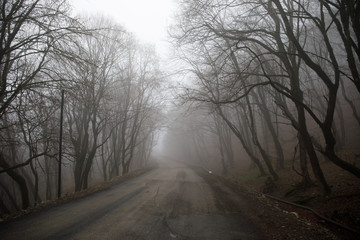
(170, 202)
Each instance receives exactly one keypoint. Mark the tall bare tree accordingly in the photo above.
(259, 34)
(31, 31)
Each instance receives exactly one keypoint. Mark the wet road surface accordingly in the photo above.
(169, 202)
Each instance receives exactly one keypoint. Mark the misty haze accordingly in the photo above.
(180, 119)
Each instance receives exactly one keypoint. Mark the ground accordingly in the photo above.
(173, 202)
(341, 206)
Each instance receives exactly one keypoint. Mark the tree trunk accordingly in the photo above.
(330, 153)
(19, 180)
(267, 118)
(224, 169)
(125, 167)
(77, 175)
(257, 143)
(240, 137)
(318, 173)
(48, 169)
(10, 196)
(37, 198)
(306, 180)
(351, 103)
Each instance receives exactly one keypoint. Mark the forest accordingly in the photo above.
(264, 84)
(274, 82)
(111, 101)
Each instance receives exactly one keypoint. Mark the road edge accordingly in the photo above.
(74, 196)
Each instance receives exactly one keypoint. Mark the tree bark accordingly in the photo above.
(306, 180)
(19, 180)
(257, 143)
(280, 154)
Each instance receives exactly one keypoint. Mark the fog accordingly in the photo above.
(214, 85)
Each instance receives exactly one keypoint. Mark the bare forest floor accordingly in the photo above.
(341, 206)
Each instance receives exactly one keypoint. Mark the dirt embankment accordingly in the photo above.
(74, 195)
(341, 206)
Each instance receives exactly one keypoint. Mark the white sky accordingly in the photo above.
(148, 19)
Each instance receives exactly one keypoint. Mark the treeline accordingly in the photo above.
(257, 66)
(111, 102)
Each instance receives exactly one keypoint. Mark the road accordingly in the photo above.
(169, 202)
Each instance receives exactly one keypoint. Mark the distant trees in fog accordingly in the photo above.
(111, 107)
(255, 63)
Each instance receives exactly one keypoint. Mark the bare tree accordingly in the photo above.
(143, 78)
(31, 32)
(42, 51)
(330, 79)
(225, 142)
(275, 33)
(261, 100)
(90, 79)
